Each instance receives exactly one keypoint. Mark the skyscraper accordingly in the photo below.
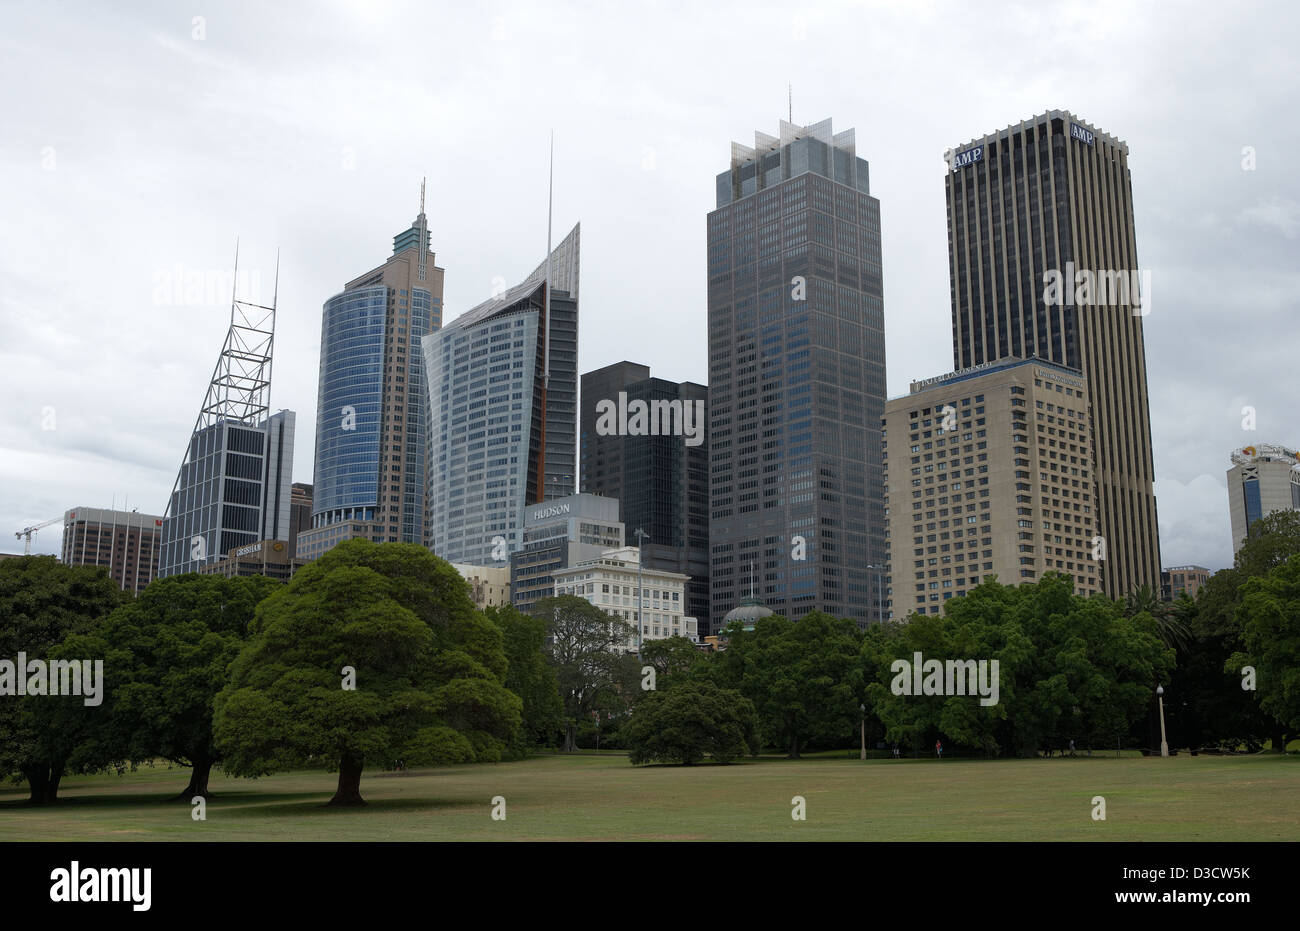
(796, 376)
(233, 486)
(1043, 264)
(503, 392)
(661, 479)
(370, 419)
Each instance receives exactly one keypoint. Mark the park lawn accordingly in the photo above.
(602, 797)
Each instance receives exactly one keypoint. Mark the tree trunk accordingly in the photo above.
(349, 790)
(198, 787)
(1277, 737)
(570, 737)
(43, 784)
(794, 747)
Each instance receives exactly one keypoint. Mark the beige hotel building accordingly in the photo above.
(988, 471)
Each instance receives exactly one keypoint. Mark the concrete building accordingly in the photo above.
(315, 542)
(796, 375)
(126, 543)
(503, 407)
(1263, 479)
(271, 558)
(1182, 580)
(657, 467)
(610, 583)
(1043, 263)
(370, 417)
(489, 585)
(989, 473)
(558, 534)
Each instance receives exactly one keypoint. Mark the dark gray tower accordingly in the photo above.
(796, 376)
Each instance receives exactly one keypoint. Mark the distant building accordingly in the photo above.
(314, 543)
(126, 543)
(489, 585)
(503, 404)
(989, 472)
(270, 558)
(659, 476)
(558, 534)
(299, 513)
(1180, 580)
(370, 416)
(1263, 479)
(610, 583)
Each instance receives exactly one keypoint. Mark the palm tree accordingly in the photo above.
(1170, 626)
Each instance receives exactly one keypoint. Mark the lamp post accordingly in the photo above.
(880, 593)
(641, 536)
(1164, 745)
(863, 709)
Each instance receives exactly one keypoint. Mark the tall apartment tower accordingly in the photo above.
(126, 543)
(370, 420)
(796, 376)
(1263, 479)
(659, 476)
(233, 487)
(1043, 264)
(503, 412)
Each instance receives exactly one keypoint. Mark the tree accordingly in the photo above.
(179, 638)
(374, 652)
(592, 677)
(690, 721)
(1270, 622)
(42, 602)
(804, 677)
(529, 675)
(673, 659)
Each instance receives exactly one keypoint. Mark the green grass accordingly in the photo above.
(602, 797)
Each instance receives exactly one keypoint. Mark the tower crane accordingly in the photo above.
(26, 533)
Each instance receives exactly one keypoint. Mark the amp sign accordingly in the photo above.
(969, 157)
(1083, 135)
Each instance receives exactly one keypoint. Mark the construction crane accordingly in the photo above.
(26, 533)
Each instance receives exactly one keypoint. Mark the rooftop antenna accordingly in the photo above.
(550, 199)
(790, 92)
(422, 180)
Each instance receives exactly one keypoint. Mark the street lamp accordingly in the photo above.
(641, 536)
(880, 593)
(863, 709)
(1164, 745)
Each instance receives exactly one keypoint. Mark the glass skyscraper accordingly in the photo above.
(370, 421)
(503, 392)
(796, 376)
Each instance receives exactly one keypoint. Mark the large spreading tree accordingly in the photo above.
(372, 654)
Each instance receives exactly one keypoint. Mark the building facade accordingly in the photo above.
(989, 474)
(610, 583)
(558, 534)
(1043, 264)
(796, 376)
(503, 393)
(489, 585)
(300, 494)
(1263, 479)
(126, 543)
(371, 418)
(657, 470)
(271, 558)
(1177, 581)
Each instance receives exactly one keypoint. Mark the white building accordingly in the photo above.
(610, 583)
(1263, 479)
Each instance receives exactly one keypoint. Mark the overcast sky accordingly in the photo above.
(139, 142)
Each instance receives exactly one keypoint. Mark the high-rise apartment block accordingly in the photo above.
(1263, 479)
(989, 474)
(126, 543)
(796, 376)
(656, 467)
(1043, 264)
(370, 416)
(503, 404)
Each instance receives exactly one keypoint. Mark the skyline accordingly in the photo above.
(122, 371)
